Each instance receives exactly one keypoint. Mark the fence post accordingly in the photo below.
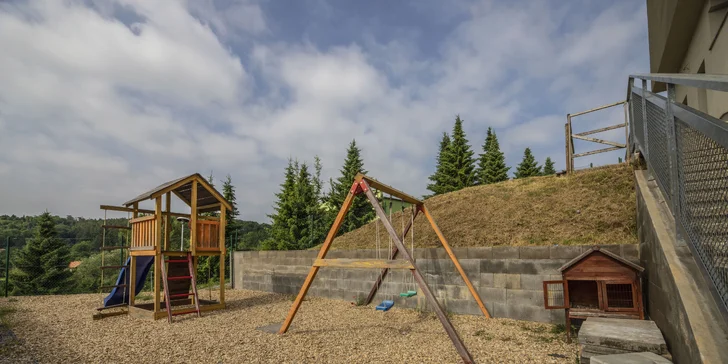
(644, 121)
(7, 263)
(672, 151)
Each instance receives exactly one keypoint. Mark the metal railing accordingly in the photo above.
(687, 152)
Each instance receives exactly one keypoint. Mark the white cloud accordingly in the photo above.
(113, 108)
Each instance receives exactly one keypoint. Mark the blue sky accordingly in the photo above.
(106, 99)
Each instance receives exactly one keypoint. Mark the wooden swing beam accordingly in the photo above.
(363, 184)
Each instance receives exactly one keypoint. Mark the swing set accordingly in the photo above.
(364, 185)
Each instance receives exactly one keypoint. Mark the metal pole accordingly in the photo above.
(7, 264)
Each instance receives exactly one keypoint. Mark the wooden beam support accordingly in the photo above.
(601, 141)
(321, 255)
(193, 218)
(157, 261)
(167, 220)
(455, 261)
(600, 130)
(363, 263)
(392, 255)
(131, 282)
(143, 211)
(389, 190)
(454, 337)
(217, 204)
(595, 152)
(221, 236)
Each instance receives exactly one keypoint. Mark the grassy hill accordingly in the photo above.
(595, 206)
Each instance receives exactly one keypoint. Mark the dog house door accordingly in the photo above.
(619, 296)
(555, 295)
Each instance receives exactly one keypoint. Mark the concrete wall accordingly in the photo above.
(677, 296)
(708, 32)
(508, 279)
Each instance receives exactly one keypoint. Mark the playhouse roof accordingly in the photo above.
(605, 252)
(182, 187)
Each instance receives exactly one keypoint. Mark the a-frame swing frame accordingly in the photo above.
(363, 184)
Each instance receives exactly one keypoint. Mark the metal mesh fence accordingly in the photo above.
(703, 198)
(658, 158)
(702, 179)
(636, 106)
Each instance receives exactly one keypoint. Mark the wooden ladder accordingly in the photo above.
(191, 276)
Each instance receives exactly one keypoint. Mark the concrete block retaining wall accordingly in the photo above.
(508, 279)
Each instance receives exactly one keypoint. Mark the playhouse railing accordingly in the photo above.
(143, 233)
(687, 153)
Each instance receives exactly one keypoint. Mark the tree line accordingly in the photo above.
(457, 167)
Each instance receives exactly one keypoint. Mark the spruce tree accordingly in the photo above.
(361, 211)
(281, 237)
(528, 167)
(548, 167)
(494, 168)
(303, 202)
(41, 267)
(439, 179)
(459, 166)
(482, 160)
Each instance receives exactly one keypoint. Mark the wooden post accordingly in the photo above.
(131, 280)
(221, 235)
(135, 212)
(158, 259)
(566, 143)
(193, 218)
(167, 220)
(455, 261)
(393, 254)
(321, 255)
(457, 342)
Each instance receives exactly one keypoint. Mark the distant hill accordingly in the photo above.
(593, 206)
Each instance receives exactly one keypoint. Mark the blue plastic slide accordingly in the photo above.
(120, 295)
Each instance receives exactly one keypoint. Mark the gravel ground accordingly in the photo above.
(59, 329)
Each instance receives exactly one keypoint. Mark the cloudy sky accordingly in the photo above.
(102, 100)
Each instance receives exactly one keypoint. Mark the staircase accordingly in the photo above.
(178, 276)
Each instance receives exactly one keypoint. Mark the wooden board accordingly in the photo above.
(363, 263)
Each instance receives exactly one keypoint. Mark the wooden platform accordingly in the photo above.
(146, 311)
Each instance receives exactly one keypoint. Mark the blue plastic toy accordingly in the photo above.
(385, 305)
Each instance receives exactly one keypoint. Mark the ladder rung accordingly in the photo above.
(113, 286)
(116, 227)
(178, 278)
(181, 295)
(113, 266)
(192, 310)
(178, 261)
(113, 247)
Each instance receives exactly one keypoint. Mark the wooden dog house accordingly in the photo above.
(597, 283)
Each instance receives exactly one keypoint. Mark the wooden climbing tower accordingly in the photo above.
(363, 185)
(150, 249)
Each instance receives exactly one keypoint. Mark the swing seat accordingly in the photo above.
(408, 294)
(385, 305)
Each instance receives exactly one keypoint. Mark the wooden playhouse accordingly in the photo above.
(149, 250)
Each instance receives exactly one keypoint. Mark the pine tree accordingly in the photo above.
(303, 206)
(321, 221)
(459, 166)
(482, 160)
(41, 267)
(548, 167)
(439, 179)
(361, 211)
(228, 192)
(494, 168)
(281, 237)
(528, 167)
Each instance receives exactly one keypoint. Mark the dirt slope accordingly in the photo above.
(595, 206)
